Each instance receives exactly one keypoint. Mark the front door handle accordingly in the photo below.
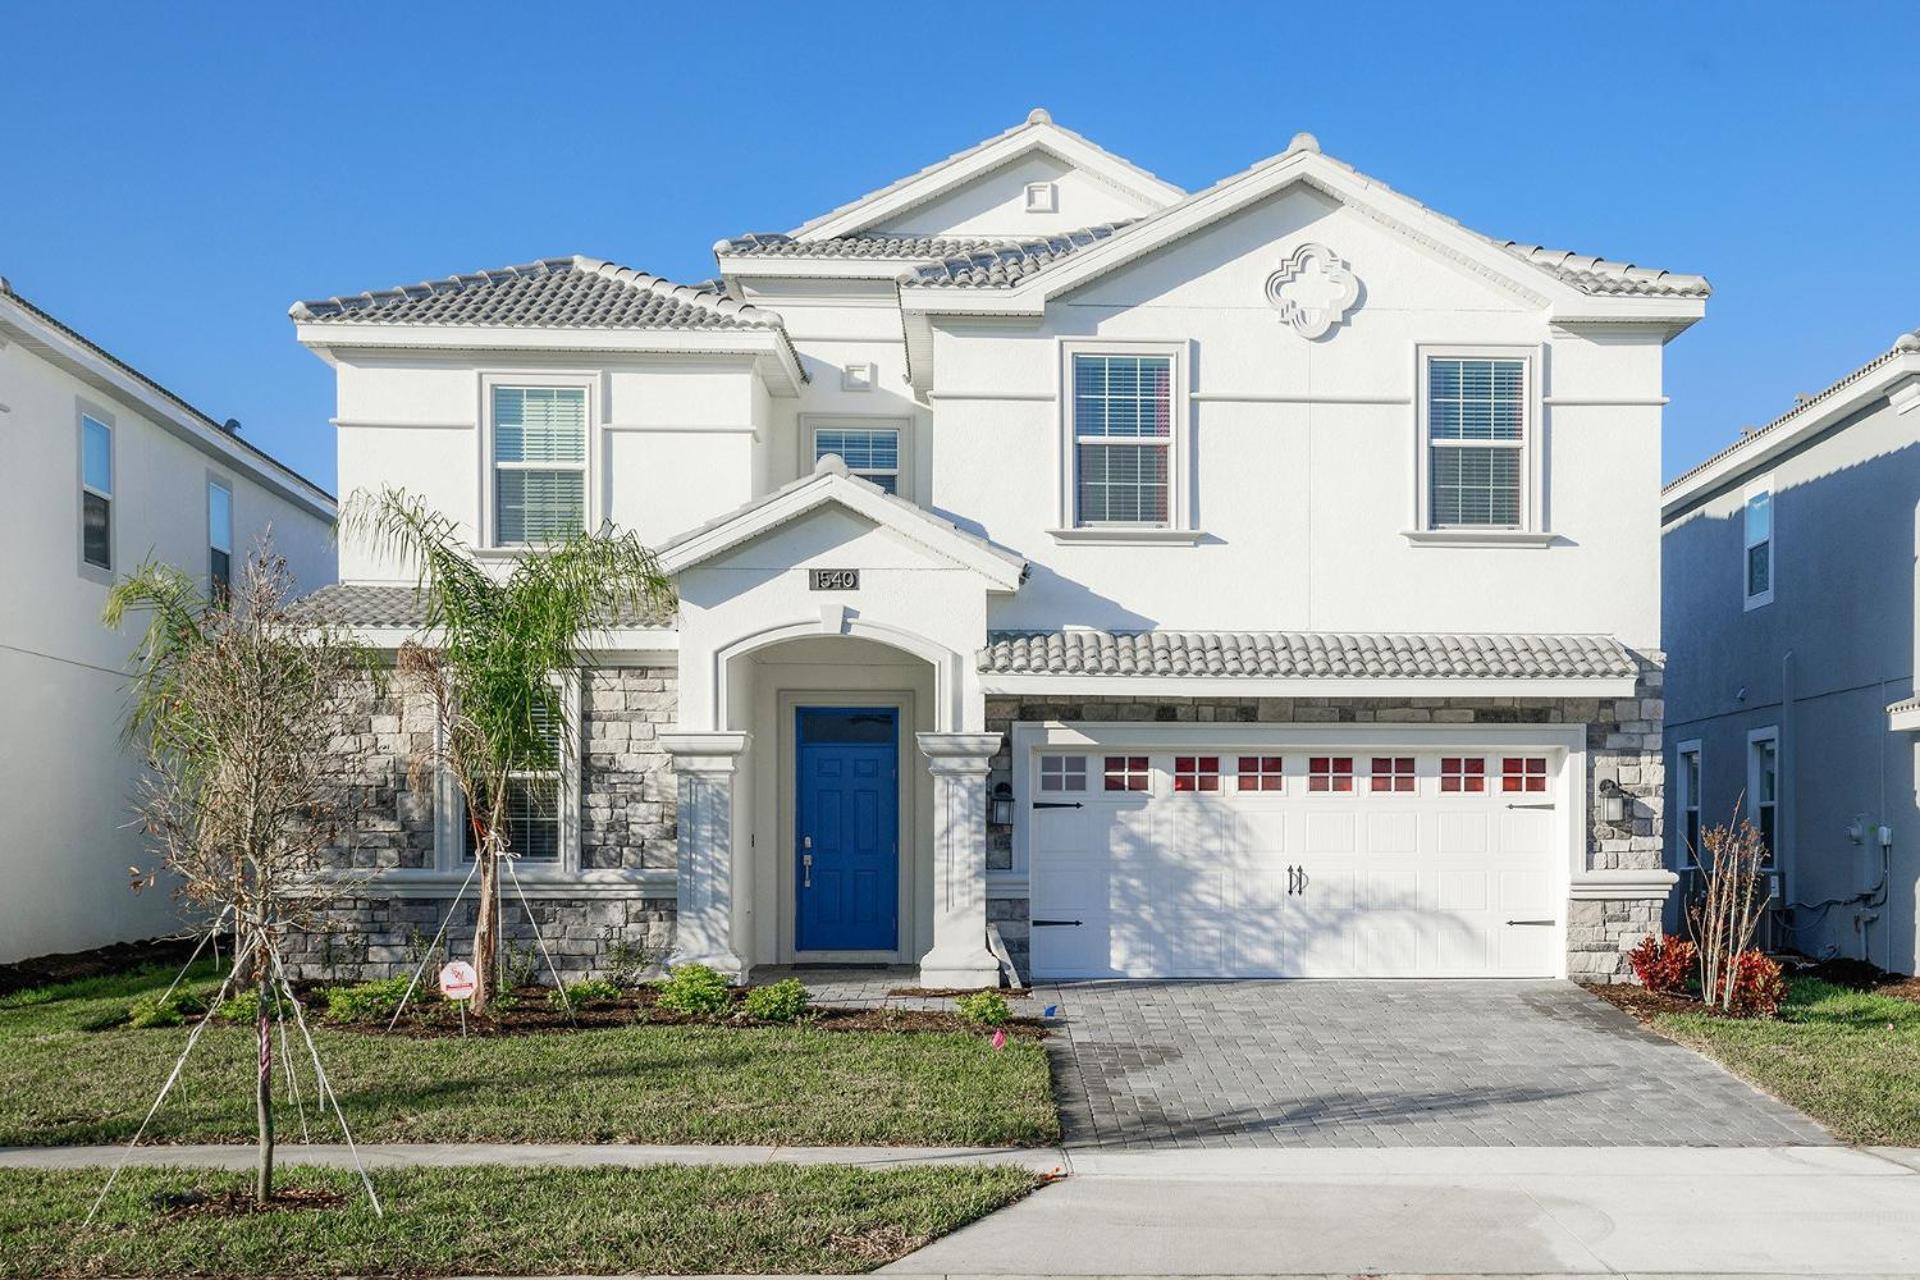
(806, 869)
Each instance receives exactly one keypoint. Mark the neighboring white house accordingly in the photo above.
(105, 469)
(1791, 578)
(1255, 581)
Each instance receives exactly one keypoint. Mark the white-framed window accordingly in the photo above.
(219, 538)
(538, 445)
(1125, 436)
(1686, 784)
(1523, 773)
(1043, 197)
(1126, 773)
(1262, 773)
(1391, 773)
(1463, 774)
(96, 492)
(1330, 773)
(542, 810)
(1196, 773)
(1756, 561)
(1763, 785)
(1478, 460)
(1063, 773)
(872, 453)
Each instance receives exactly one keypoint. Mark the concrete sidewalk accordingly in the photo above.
(1801, 1211)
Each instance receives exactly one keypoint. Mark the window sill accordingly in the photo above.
(1479, 537)
(1123, 535)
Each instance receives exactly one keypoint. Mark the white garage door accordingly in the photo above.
(1334, 864)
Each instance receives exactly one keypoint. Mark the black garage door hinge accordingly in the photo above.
(1056, 804)
(1051, 924)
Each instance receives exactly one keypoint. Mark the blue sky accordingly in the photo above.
(202, 166)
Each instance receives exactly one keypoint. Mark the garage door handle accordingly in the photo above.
(1533, 922)
(1056, 804)
(1051, 924)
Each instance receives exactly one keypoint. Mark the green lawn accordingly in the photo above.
(495, 1221)
(63, 1084)
(1850, 1059)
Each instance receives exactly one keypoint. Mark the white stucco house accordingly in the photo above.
(107, 469)
(1791, 576)
(1262, 580)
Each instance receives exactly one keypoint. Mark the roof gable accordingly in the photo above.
(829, 486)
(1575, 286)
(1037, 135)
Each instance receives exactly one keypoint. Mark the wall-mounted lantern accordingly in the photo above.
(1000, 807)
(1615, 804)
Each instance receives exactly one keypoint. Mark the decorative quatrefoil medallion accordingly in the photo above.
(1313, 290)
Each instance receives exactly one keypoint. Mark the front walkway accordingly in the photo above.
(1387, 1064)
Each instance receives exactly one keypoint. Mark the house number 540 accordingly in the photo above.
(834, 579)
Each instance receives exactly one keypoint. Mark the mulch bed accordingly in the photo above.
(1644, 1004)
(436, 1019)
(119, 957)
(237, 1202)
(942, 993)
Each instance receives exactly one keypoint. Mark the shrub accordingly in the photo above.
(368, 1001)
(244, 1007)
(694, 989)
(782, 1001)
(1757, 985)
(985, 1009)
(1663, 962)
(164, 1011)
(585, 992)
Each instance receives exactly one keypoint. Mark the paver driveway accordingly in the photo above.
(1266, 1064)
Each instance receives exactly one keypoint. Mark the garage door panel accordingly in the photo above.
(1295, 883)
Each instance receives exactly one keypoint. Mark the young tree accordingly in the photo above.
(1727, 906)
(493, 647)
(232, 699)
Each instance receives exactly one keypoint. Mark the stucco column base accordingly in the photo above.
(959, 764)
(703, 928)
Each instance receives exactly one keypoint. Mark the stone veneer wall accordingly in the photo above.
(627, 822)
(1623, 743)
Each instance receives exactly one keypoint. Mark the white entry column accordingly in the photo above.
(705, 764)
(959, 763)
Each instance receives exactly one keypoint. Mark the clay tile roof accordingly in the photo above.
(1304, 654)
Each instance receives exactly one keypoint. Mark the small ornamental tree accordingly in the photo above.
(1727, 906)
(492, 647)
(233, 703)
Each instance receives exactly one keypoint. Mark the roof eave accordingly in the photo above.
(21, 321)
(1759, 450)
(771, 348)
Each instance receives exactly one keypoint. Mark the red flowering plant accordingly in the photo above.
(1662, 962)
(1754, 985)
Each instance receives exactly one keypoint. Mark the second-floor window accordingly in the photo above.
(219, 540)
(870, 453)
(96, 492)
(1122, 448)
(1476, 442)
(539, 464)
(1758, 561)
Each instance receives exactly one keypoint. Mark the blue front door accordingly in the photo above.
(846, 843)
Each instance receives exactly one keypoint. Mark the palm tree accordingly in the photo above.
(490, 652)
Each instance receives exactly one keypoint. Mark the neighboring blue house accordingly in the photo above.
(1788, 612)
